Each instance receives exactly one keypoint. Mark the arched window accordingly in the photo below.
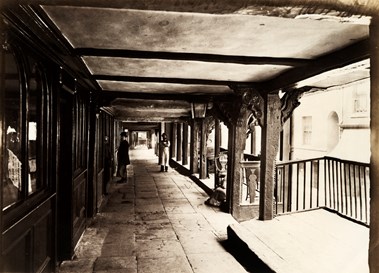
(333, 131)
(11, 108)
(24, 116)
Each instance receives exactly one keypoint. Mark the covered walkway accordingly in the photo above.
(157, 222)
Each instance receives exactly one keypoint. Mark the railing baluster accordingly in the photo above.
(318, 183)
(366, 199)
(276, 187)
(304, 183)
(311, 185)
(339, 188)
(325, 187)
(355, 193)
(284, 187)
(341, 184)
(345, 182)
(297, 186)
(333, 185)
(290, 187)
(330, 189)
(360, 192)
(351, 196)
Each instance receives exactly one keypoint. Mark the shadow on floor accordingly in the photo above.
(245, 256)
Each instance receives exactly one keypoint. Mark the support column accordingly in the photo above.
(173, 139)
(203, 150)
(270, 112)
(217, 147)
(179, 143)
(194, 155)
(374, 161)
(237, 114)
(185, 144)
(232, 175)
(159, 136)
(270, 143)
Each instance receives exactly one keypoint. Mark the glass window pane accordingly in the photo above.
(35, 144)
(11, 103)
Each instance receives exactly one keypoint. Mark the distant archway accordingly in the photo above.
(333, 131)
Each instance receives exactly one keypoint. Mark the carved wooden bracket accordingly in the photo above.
(257, 107)
(290, 101)
(251, 101)
(223, 110)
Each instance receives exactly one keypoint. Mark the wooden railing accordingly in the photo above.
(340, 185)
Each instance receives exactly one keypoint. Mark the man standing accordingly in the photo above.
(123, 158)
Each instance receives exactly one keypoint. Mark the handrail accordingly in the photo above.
(338, 184)
(319, 158)
(334, 183)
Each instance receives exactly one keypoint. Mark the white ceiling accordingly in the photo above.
(163, 53)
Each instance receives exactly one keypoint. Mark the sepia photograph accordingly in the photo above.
(189, 136)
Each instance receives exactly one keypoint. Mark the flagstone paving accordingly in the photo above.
(156, 222)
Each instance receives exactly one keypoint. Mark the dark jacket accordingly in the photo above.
(123, 153)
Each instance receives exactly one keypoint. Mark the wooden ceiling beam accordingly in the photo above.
(136, 126)
(200, 57)
(124, 118)
(108, 96)
(185, 81)
(338, 59)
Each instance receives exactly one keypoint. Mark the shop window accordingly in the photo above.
(11, 104)
(24, 119)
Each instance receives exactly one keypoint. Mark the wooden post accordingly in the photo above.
(237, 141)
(173, 139)
(238, 112)
(217, 147)
(194, 155)
(230, 173)
(185, 144)
(179, 142)
(270, 142)
(203, 150)
(374, 161)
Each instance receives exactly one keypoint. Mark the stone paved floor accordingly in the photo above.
(157, 222)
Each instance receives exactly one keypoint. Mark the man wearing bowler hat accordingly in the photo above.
(123, 158)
